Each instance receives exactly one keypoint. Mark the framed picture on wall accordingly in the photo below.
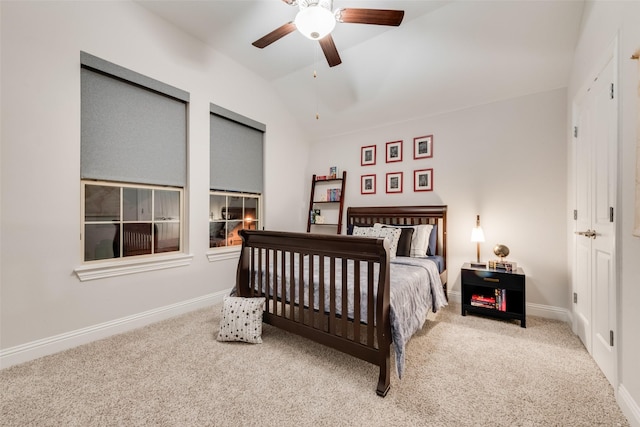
(368, 184)
(423, 147)
(394, 182)
(423, 180)
(368, 155)
(394, 151)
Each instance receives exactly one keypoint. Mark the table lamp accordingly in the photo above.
(477, 236)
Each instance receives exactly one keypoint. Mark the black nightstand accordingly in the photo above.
(507, 289)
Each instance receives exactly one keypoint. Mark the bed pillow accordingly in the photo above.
(362, 231)
(421, 242)
(390, 234)
(419, 239)
(404, 243)
(242, 320)
(350, 227)
(433, 240)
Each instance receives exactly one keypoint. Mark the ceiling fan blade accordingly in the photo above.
(275, 35)
(370, 16)
(330, 50)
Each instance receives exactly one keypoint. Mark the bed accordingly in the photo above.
(348, 291)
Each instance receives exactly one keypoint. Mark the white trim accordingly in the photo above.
(43, 347)
(222, 254)
(120, 268)
(549, 312)
(455, 296)
(629, 407)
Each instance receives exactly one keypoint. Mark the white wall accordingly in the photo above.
(505, 161)
(41, 298)
(602, 23)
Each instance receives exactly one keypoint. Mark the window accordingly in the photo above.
(230, 213)
(122, 220)
(236, 177)
(133, 170)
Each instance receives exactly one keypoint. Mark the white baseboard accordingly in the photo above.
(546, 311)
(549, 312)
(43, 347)
(629, 407)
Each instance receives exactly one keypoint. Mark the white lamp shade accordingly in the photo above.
(315, 22)
(477, 235)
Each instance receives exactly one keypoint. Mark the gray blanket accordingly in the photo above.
(415, 289)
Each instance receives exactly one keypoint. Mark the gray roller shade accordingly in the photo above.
(236, 152)
(133, 128)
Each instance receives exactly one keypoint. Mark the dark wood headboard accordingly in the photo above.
(404, 215)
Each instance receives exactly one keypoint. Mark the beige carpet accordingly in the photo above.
(461, 371)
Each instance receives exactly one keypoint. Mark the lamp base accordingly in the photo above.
(478, 264)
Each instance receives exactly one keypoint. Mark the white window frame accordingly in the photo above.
(231, 252)
(96, 269)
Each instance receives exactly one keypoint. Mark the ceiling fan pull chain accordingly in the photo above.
(315, 78)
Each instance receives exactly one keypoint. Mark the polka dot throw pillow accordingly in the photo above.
(242, 320)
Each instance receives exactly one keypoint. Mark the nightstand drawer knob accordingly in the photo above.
(491, 279)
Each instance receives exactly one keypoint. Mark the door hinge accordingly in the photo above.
(611, 214)
(611, 338)
(611, 90)
(575, 214)
(575, 131)
(575, 297)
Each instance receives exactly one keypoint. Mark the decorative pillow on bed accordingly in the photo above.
(419, 239)
(404, 243)
(391, 234)
(351, 227)
(242, 320)
(433, 240)
(360, 231)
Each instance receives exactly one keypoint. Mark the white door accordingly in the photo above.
(582, 215)
(594, 275)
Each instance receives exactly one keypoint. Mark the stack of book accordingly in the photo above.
(503, 265)
(498, 301)
(333, 194)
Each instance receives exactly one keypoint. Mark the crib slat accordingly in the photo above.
(356, 301)
(300, 289)
(332, 296)
(345, 299)
(292, 283)
(309, 290)
(283, 281)
(370, 304)
(259, 269)
(321, 294)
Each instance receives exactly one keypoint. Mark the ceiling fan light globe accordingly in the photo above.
(315, 22)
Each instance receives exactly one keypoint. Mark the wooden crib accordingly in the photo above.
(347, 305)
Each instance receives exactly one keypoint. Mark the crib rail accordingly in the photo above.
(331, 289)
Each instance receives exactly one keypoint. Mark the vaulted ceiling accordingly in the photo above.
(445, 55)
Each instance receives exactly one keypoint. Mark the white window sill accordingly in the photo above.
(221, 254)
(120, 268)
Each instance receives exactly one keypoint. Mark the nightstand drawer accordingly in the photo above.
(493, 278)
